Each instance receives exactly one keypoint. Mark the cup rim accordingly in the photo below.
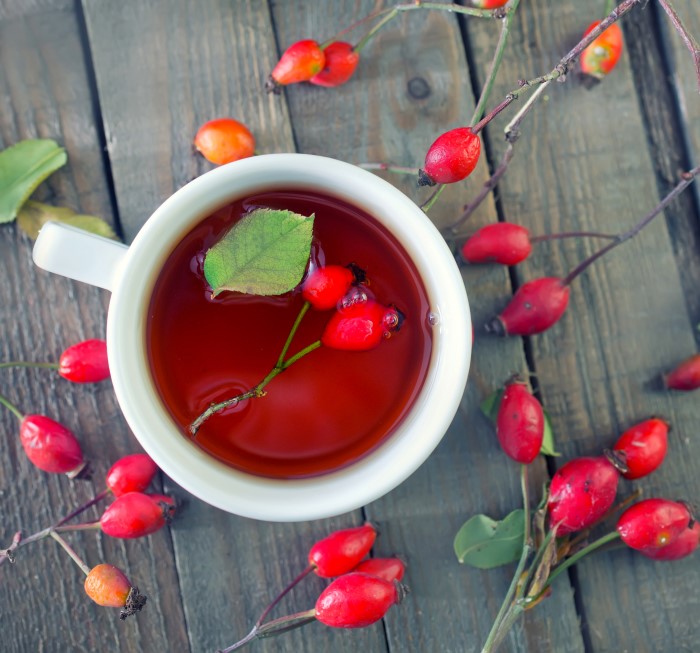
(289, 499)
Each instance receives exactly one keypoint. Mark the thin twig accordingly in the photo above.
(685, 35)
(389, 167)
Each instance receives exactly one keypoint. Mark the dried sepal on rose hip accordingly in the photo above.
(451, 158)
(132, 473)
(535, 307)
(299, 63)
(356, 600)
(85, 362)
(109, 587)
(502, 242)
(341, 60)
(581, 492)
(342, 550)
(685, 376)
(135, 514)
(224, 140)
(641, 449)
(653, 524)
(520, 422)
(602, 55)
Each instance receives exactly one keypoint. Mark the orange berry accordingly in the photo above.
(224, 140)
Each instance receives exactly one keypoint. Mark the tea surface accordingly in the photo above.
(328, 409)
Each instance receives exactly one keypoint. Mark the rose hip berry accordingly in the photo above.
(51, 446)
(520, 423)
(85, 362)
(224, 140)
(391, 569)
(107, 586)
(299, 63)
(502, 242)
(324, 287)
(685, 376)
(452, 157)
(360, 326)
(356, 600)
(653, 523)
(641, 448)
(132, 473)
(536, 306)
(134, 515)
(685, 544)
(342, 550)
(602, 55)
(581, 492)
(341, 60)
(489, 4)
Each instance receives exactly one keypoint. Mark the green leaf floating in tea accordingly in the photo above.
(264, 253)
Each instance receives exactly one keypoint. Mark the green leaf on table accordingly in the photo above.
(33, 215)
(22, 168)
(265, 253)
(548, 446)
(485, 543)
(489, 406)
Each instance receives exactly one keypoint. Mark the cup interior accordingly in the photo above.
(319, 496)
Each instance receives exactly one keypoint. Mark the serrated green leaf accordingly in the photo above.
(485, 543)
(548, 447)
(22, 168)
(490, 405)
(265, 253)
(34, 215)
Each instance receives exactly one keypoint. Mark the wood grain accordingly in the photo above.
(45, 91)
(450, 607)
(579, 165)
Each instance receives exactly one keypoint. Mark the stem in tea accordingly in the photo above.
(258, 391)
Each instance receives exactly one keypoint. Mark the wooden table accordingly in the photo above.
(123, 87)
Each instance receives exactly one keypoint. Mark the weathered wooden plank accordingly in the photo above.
(45, 92)
(162, 69)
(378, 116)
(580, 165)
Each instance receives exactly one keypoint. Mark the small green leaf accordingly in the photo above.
(548, 447)
(22, 168)
(489, 406)
(33, 215)
(265, 253)
(485, 543)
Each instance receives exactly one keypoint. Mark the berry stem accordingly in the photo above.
(97, 498)
(12, 408)
(70, 551)
(87, 526)
(274, 627)
(510, 610)
(496, 63)
(686, 179)
(685, 35)
(50, 366)
(401, 170)
(572, 234)
(428, 204)
(282, 594)
(593, 546)
(295, 326)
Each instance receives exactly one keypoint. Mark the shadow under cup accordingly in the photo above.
(395, 458)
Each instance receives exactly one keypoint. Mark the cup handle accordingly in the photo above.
(79, 254)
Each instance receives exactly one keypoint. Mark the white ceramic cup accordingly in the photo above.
(130, 273)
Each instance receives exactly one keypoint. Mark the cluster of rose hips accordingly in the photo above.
(363, 590)
(134, 513)
(53, 448)
(583, 490)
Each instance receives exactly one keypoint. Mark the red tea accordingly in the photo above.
(328, 409)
